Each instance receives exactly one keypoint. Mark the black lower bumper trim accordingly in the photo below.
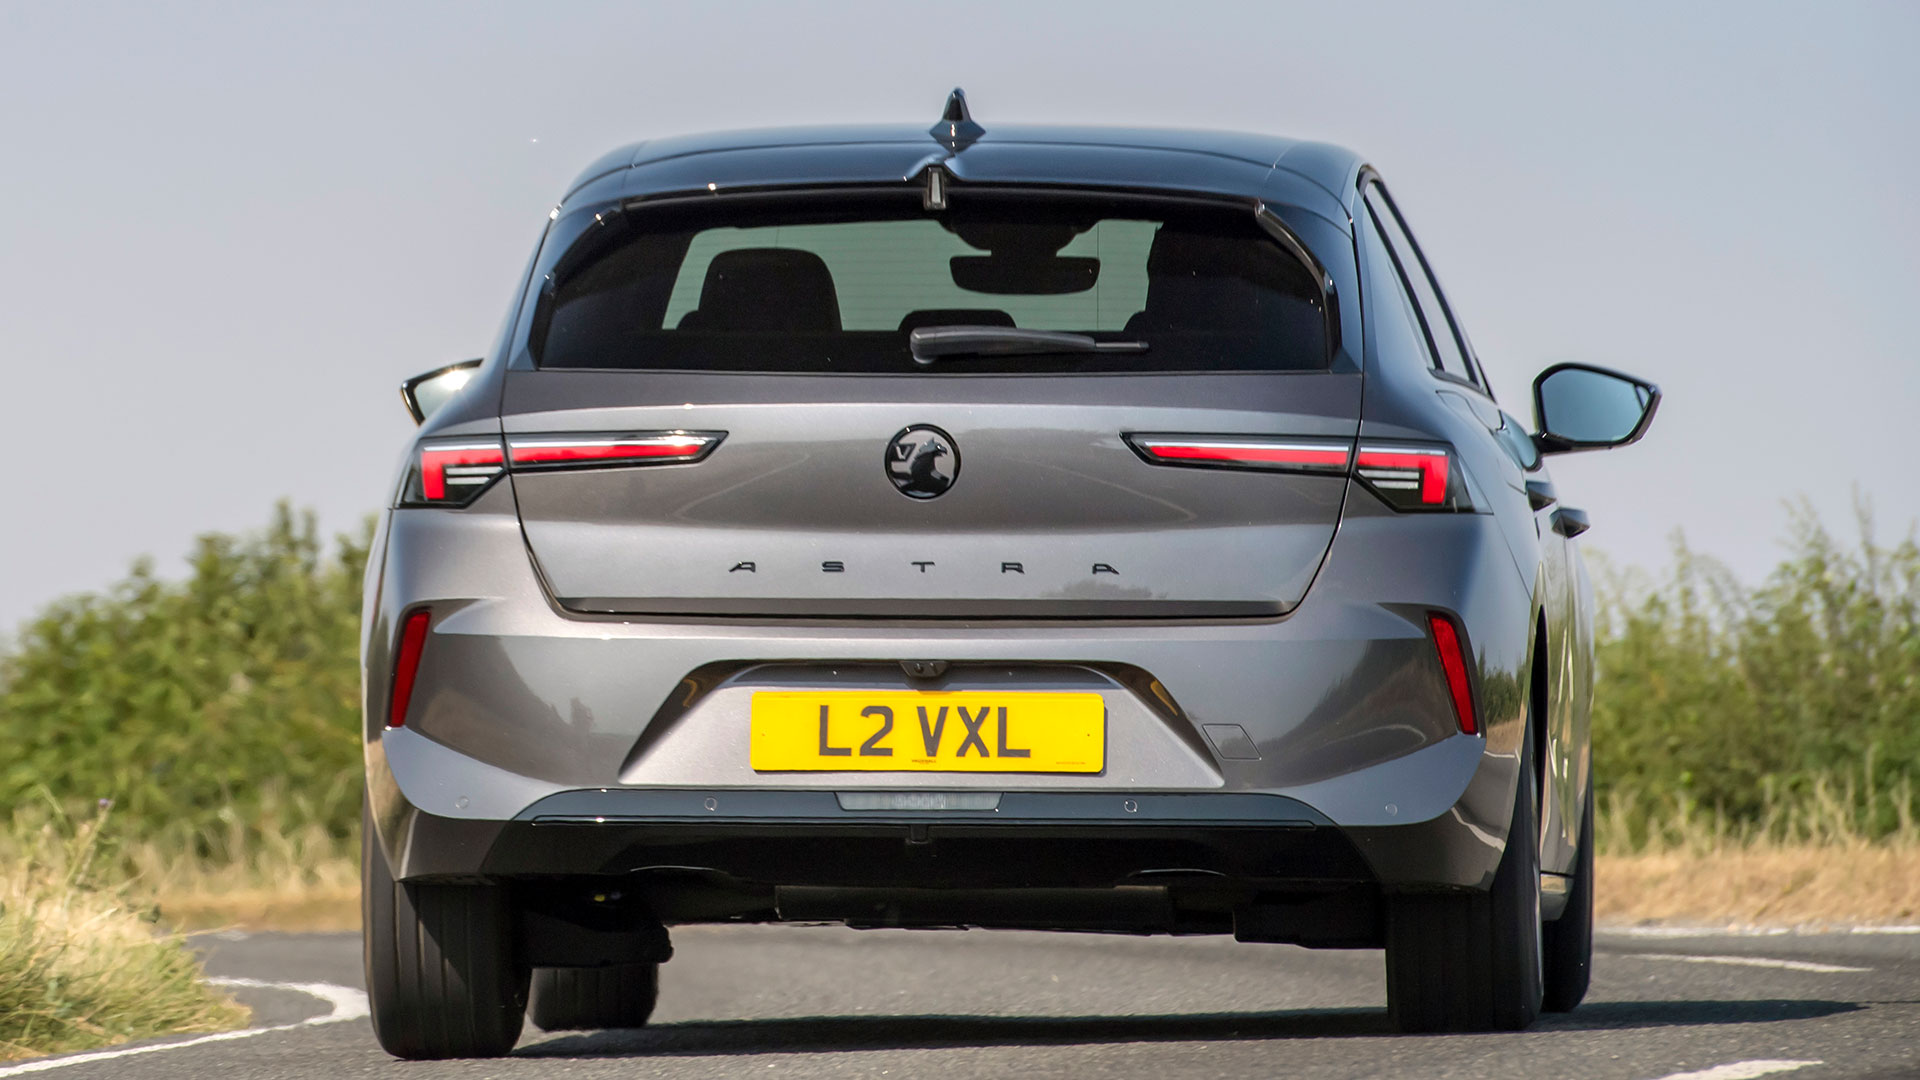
(1033, 840)
(1012, 855)
(607, 805)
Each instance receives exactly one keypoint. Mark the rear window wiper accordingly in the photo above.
(930, 343)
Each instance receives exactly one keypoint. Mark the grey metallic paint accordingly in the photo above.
(512, 685)
(524, 708)
(1052, 486)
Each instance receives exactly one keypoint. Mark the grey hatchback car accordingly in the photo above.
(1026, 527)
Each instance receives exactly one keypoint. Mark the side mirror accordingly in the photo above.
(1582, 407)
(424, 394)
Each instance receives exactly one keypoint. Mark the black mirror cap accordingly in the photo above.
(1550, 443)
(409, 390)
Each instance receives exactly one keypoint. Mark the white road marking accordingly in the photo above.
(1752, 961)
(345, 1003)
(1805, 930)
(1694, 931)
(1743, 1070)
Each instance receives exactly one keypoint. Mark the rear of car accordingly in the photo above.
(861, 529)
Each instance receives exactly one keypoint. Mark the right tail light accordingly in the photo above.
(1405, 476)
(1408, 476)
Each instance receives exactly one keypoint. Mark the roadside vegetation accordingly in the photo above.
(218, 713)
(81, 963)
(1776, 712)
(1757, 747)
(1812, 857)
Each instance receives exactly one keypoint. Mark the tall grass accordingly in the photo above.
(1783, 712)
(1817, 857)
(279, 870)
(1832, 813)
(196, 705)
(81, 963)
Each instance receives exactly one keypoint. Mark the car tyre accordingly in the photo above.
(582, 999)
(442, 980)
(1569, 939)
(1472, 961)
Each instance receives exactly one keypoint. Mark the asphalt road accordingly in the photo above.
(828, 1002)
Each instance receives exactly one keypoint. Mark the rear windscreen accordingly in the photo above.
(838, 288)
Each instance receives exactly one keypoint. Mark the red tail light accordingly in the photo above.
(453, 472)
(1453, 660)
(630, 448)
(406, 664)
(1244, 452)
(1412, 477)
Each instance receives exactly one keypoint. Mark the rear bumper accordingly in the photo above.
(1262, 868)
(1206, 842)
(544, 744)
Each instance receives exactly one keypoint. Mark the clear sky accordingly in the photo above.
(230, 230)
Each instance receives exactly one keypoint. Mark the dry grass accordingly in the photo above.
(1815, 860)
(81, 965)
(1760, 885)
(211, 904)
(1763, 886)
(302, 879)
(1808, 861)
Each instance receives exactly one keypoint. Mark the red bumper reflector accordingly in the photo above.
(1244, 451)
(1446, 640)
(413, 638)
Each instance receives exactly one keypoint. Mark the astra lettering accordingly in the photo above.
(839, 566)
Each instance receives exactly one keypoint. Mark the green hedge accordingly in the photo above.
(1742, 701)
(231, 698)
(231, 695)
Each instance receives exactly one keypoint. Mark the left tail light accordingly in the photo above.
(406, 665)
(453, 472)
(578, 451)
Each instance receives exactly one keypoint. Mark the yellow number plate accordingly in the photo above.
(927, 731)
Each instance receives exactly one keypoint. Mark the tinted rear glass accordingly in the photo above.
(837, 288)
